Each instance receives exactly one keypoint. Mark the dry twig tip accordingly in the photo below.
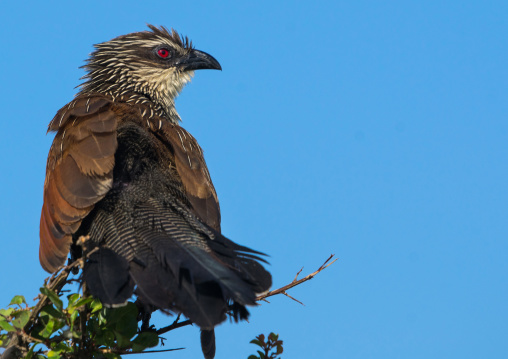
(296, 281)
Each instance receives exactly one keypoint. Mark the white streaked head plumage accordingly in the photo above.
(128, 64)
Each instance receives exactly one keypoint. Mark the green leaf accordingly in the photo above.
(261, 355)
(128, 326)
(138, 348)
(93, 325)
(257, 342)
(60, 347)
(73, 317)
(95, 305)
(84, 301)
(75, 301)
(145, 340)
(51, 311)
(279, 349)
(44, 318)
(6, 312)
(51, 327)
(114, 315)
(53, 297)
(48, 329)
(18, 300)
(6, 326)
(273, 337)
(30, 353)
(73, 298)
(53, 354)
(252, 357)
(105, 337)
(109, 338)
(123, 320)
(101, 317)
(21, 319)
(36, 331)
(123, 341)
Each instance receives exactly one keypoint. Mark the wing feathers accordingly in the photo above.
(101, 122)
(194, 175)
(79, 107)
(53, 251)
(78, 189)
(62, 211)
(94, 155)
(78, 175)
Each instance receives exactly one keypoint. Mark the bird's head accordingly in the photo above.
(152, 66)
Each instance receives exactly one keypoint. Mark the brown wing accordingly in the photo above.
(191, 167)
(79, 173)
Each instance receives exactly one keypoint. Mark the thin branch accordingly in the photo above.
(154, 351)
(54, 283)
(174, 326)
(296, 300)
(296, 281)
(29, 338)
(297, 274)
(125, 352)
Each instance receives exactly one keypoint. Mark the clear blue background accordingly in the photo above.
(373, 130)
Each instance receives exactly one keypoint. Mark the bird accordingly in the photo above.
(124, 175)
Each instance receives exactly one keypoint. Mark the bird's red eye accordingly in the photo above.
(163, 53)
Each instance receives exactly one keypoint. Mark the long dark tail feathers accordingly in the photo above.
(107, 277)
(174, 265)
(208, 343)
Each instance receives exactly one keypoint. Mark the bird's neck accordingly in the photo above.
(155, 93)
(167, 111)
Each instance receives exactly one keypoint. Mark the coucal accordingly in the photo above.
(123, 173)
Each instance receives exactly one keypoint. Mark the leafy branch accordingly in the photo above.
(79, 327)
(272, 344)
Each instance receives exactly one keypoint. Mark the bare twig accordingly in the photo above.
(297, 274)
(175, 325)
(296, 282)
(296, 300)
(151, 351)
(126, 352)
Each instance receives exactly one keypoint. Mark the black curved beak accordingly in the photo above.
(198, 60)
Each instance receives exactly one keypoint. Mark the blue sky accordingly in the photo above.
(373, 130)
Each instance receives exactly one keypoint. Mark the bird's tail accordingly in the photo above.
(174, 262)
(208, 343)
